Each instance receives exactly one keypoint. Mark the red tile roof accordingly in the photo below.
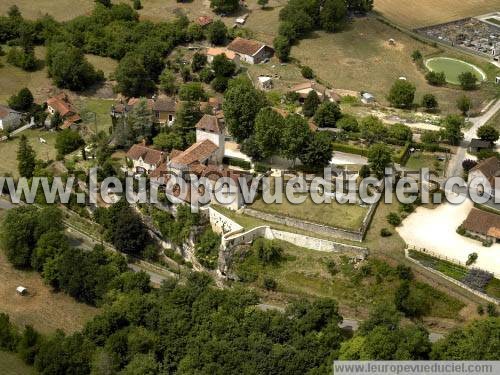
(245, 46)
(149, 155)
(483, 222)
(61, 103)
(198, 152)
(210, 123)
(204, 20)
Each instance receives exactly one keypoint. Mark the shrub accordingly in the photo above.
(267, 251)
(307, 72)
(471, 259)
(261, 168)
(243, 164)
(348, 123)
(404, 272)
(384, 232)
(491, 309)
(468, 80)
(435, 78)
(269, 283)
(480, 309)
(331, 267)
(394, 219)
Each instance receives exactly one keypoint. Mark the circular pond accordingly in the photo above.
(452, 68)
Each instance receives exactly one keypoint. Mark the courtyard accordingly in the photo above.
(435, 230)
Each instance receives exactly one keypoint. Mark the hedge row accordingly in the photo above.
(243, 164)
(350, 149)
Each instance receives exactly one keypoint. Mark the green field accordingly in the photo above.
(11, 364)
(419, 160)
(496, 21)
(452, 68)
(44, 151)
(347, 216)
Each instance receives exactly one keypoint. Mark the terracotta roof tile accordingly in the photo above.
(489, 167)
(482, 222)
(198, 152)
(149, 155)
(210, 123)
(221, 51)
(204, 20)
(61, 104)
(245, 46)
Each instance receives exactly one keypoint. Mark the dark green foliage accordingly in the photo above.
(268, 132)
(296, 135)
(402, 94)
(364, 171)
(318, 151)
(22, 101)
(267, 251)
(241, 104)
(468, 80)
(269, 283)
(400, 132)
(192, 91)
(137, 4)
(222, 66)
(23, 58)
(476, 341)
(348, 123)
(409, 301)
(311, 104)
(384, 232)
(429, 102)
(436, 78)
(307, 72)
(217, 33)
(8, 334)
(282, 48)
(488, 133)
(327, 114)
(224, 6)
(132, 76)
(207, 249)
(29, 344)
(333, 15)
(464, 104)
(26, 158)
(453, 129)
(124, 228)
(68, 141)
(199, 61)
(379, 157)
(69, 68)
(394, 219)
(219, 83)
(177, 229)
(416, 55)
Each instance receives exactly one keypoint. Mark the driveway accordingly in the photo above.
(455, 164)
(435, 230)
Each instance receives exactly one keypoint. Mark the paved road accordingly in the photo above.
(455, 164)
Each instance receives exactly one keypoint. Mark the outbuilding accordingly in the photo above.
(21, 290)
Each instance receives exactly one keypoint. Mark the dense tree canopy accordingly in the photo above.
(402, 94)
(241, 104)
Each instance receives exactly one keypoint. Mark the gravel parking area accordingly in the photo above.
(435, 230)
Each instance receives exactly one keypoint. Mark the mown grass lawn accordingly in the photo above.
(419, 160)
(347, 216)
(101, 108)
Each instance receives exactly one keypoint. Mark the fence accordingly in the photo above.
(451, 279)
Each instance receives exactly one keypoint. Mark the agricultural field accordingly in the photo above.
(42, 307)
(61, 10)
(415, 14)
(44, 151)
(11, 364)
(13, 79)
(362, 59)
